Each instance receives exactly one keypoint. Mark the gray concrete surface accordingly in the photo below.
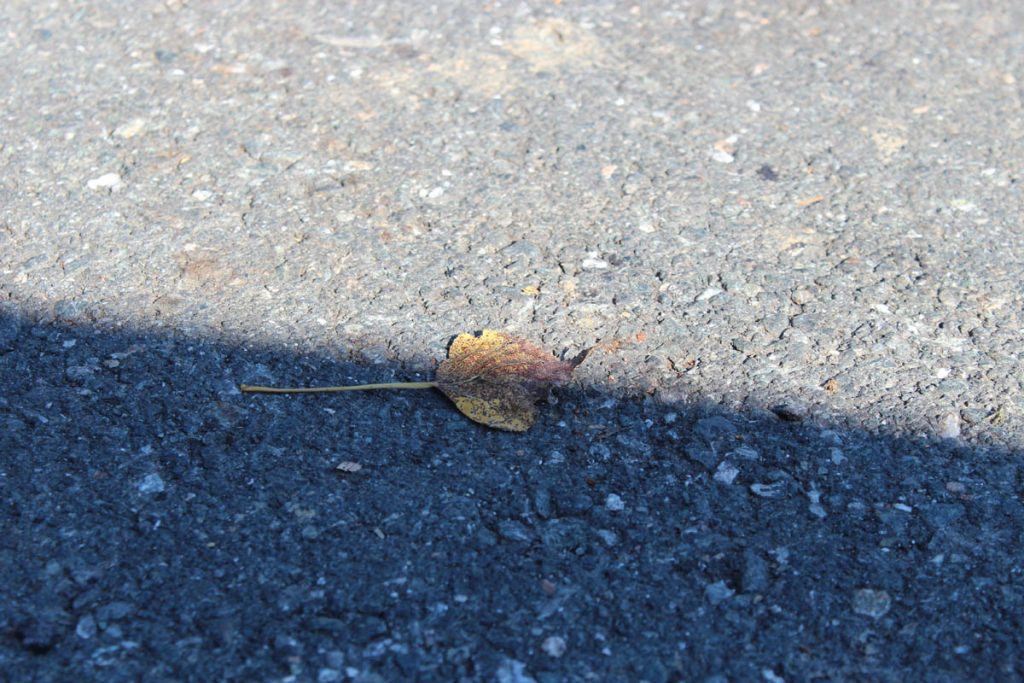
(794, 229)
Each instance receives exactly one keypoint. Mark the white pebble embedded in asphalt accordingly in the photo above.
(871, 603)
(726, 472)
(950, 426)
(554, 646)
(107, 181)
(151, 483)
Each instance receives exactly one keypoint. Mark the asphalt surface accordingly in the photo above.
(792, 232)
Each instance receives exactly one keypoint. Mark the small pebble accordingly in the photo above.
(953, 385)
(802, 296)
(941, 515)
(871, 603)
(950, 426)
(114, 610)
(709, 293)
(542, 502)
(715, 427)
(86, 627)
(816, 508)
(554, 646)
(973, 416)
(151, 483)
(755, 577)
(513, 671)
(791, 412)
(718, 592)
(746, 453)
(726, 472)
(727, 144)
(78, 373)
(797, 336)
(107, 181)
(700, 452)
(614, 503)
(514, 531)
(767, 490)
(131, 128)
(326, 675)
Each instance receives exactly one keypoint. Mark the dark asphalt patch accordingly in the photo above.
(160, 526)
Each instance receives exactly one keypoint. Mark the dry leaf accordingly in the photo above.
(493, 378)
(496, 379)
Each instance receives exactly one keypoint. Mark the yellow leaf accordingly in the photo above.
(508, 415)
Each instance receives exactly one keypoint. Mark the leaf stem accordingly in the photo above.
(249, 388)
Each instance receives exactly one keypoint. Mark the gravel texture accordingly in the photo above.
(791, 230)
